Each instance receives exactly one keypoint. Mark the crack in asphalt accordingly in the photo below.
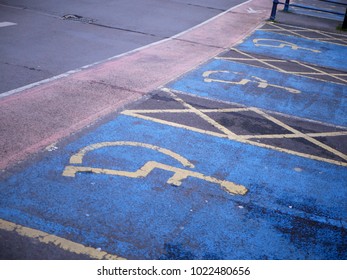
(90, 21)
(26, 67)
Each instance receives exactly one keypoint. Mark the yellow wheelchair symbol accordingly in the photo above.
(272, 43)
(261, 83)
(176, 179)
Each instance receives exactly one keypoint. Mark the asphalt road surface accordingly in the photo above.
(42, 39)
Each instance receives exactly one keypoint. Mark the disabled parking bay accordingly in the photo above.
(284, 73)
(231, 161)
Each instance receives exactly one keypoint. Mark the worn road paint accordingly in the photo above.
(261, 83)
(62, 243)
(336, 157)
(272, 43)
(148, 167)
(285, 66)
(295, 48)
(285, 215)
(78, 158)
(307, 33)
(322, 101)
(6, 24)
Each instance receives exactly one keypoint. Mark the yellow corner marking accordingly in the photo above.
(78, 158)
(281, 44)
(59, 242)
(261, 82)
(176, 179)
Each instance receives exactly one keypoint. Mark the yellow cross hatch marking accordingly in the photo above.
(340, 77)
(226, 133)
(326, 36)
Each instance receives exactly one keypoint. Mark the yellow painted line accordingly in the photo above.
(200, 114)
(327, 134)
(279, 136)
(160, 111)
(330, 36)
(301, 74)
(279, 28)
(341, 74)
(302, 135)
(247, 59)
(241, 138)
(327, 37)
(296, 28)
(283, 150)
(216, 134)
(281, 45)
(176, 179)
(257, 59)
(78, 158)
(319, 71)
(138, 112)
(281, 61)
(324, 33)
(226, 110)
(261, 83)
(59, 242)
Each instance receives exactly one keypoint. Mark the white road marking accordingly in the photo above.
(251, 11)
(68, 73)
(7, 23)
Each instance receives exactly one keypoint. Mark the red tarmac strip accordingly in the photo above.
(34, 118)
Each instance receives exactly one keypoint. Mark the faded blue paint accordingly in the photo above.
(286, 214)
(318, 100)
(330, 55)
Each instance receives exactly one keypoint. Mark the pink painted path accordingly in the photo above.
(34, 118)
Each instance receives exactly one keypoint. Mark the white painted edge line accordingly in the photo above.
(7, 23)
(68, 73)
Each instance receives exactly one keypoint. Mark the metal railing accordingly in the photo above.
(287, 5)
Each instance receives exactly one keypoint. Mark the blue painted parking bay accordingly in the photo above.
(267, 89)
(295, 48)
(143, 186)
(89, 192)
